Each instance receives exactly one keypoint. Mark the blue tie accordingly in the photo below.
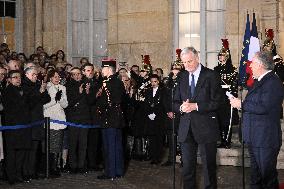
(192, 85)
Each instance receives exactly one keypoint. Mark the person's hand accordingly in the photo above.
(170, 115)
(99, 93)
(188, 107)
(81, 88)
(152, 116)
(58, 95)
(88, 86)
(42, 87)
(192, 106)
(236, 103)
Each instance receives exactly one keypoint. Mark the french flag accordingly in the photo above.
(253, 48)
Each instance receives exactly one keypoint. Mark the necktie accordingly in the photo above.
(192, 85)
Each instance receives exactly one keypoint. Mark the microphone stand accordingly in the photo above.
(242, 141)
(173, 138)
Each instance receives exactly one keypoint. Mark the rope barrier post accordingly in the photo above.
(47, 129)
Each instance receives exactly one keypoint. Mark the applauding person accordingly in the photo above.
(55, 110)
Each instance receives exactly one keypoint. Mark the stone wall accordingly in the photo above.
(44, 24)
(269, 14)
(145, 27)
(140, 27)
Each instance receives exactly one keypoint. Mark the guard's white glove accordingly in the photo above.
(152, 116)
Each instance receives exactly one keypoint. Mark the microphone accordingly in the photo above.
(229, 95)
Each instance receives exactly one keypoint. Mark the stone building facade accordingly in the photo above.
(140, 27)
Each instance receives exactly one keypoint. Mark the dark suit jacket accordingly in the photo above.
(261, 110)
(207, 95)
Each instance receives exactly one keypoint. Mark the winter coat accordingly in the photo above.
(78, 110)
(16, 112)
(53, 109)
(36, 100)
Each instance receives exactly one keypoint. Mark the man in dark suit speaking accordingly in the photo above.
(197, 98)
(261, 121)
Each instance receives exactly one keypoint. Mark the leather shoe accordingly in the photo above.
(154, 162)
(105, 177)
(222, 145)
(82, 171)
(55, 173)
(167, 163)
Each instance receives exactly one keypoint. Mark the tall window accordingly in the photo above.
(7, 22)
(87, 30)
(201, 25)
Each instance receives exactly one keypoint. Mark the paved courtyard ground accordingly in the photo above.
(140, 175)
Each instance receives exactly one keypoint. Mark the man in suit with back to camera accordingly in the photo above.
(261, 121)
(197, 97)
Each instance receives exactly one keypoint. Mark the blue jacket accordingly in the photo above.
(261, 113)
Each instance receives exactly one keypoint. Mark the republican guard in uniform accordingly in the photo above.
(227, 116)
(109, 106)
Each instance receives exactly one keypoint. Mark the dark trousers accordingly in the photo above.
(208, 157)
(156, 147)
(93, 149)
(77, 138)
(263, 168)
(33, 158)
(224, 116)
(15, 160)
(112, 143)
(172, 146)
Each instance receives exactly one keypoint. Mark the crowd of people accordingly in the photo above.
(48, 86)
(135, 112)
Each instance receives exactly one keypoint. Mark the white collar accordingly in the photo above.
(260, 77)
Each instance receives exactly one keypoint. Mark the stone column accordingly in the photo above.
(281, 29)
(38, 23)
(28, 23)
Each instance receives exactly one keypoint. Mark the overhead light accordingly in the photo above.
(191, 35)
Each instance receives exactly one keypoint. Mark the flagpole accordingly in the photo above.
(240, 125)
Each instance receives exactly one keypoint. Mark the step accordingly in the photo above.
(233, 156)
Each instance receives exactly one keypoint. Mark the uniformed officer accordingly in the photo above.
(227, 116)
(112, 120)
(172, 120)
(141, 143)
(269, 45)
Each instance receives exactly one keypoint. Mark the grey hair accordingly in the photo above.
(31, 64)
(29, 69)
(266, 59)
(187, 50)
